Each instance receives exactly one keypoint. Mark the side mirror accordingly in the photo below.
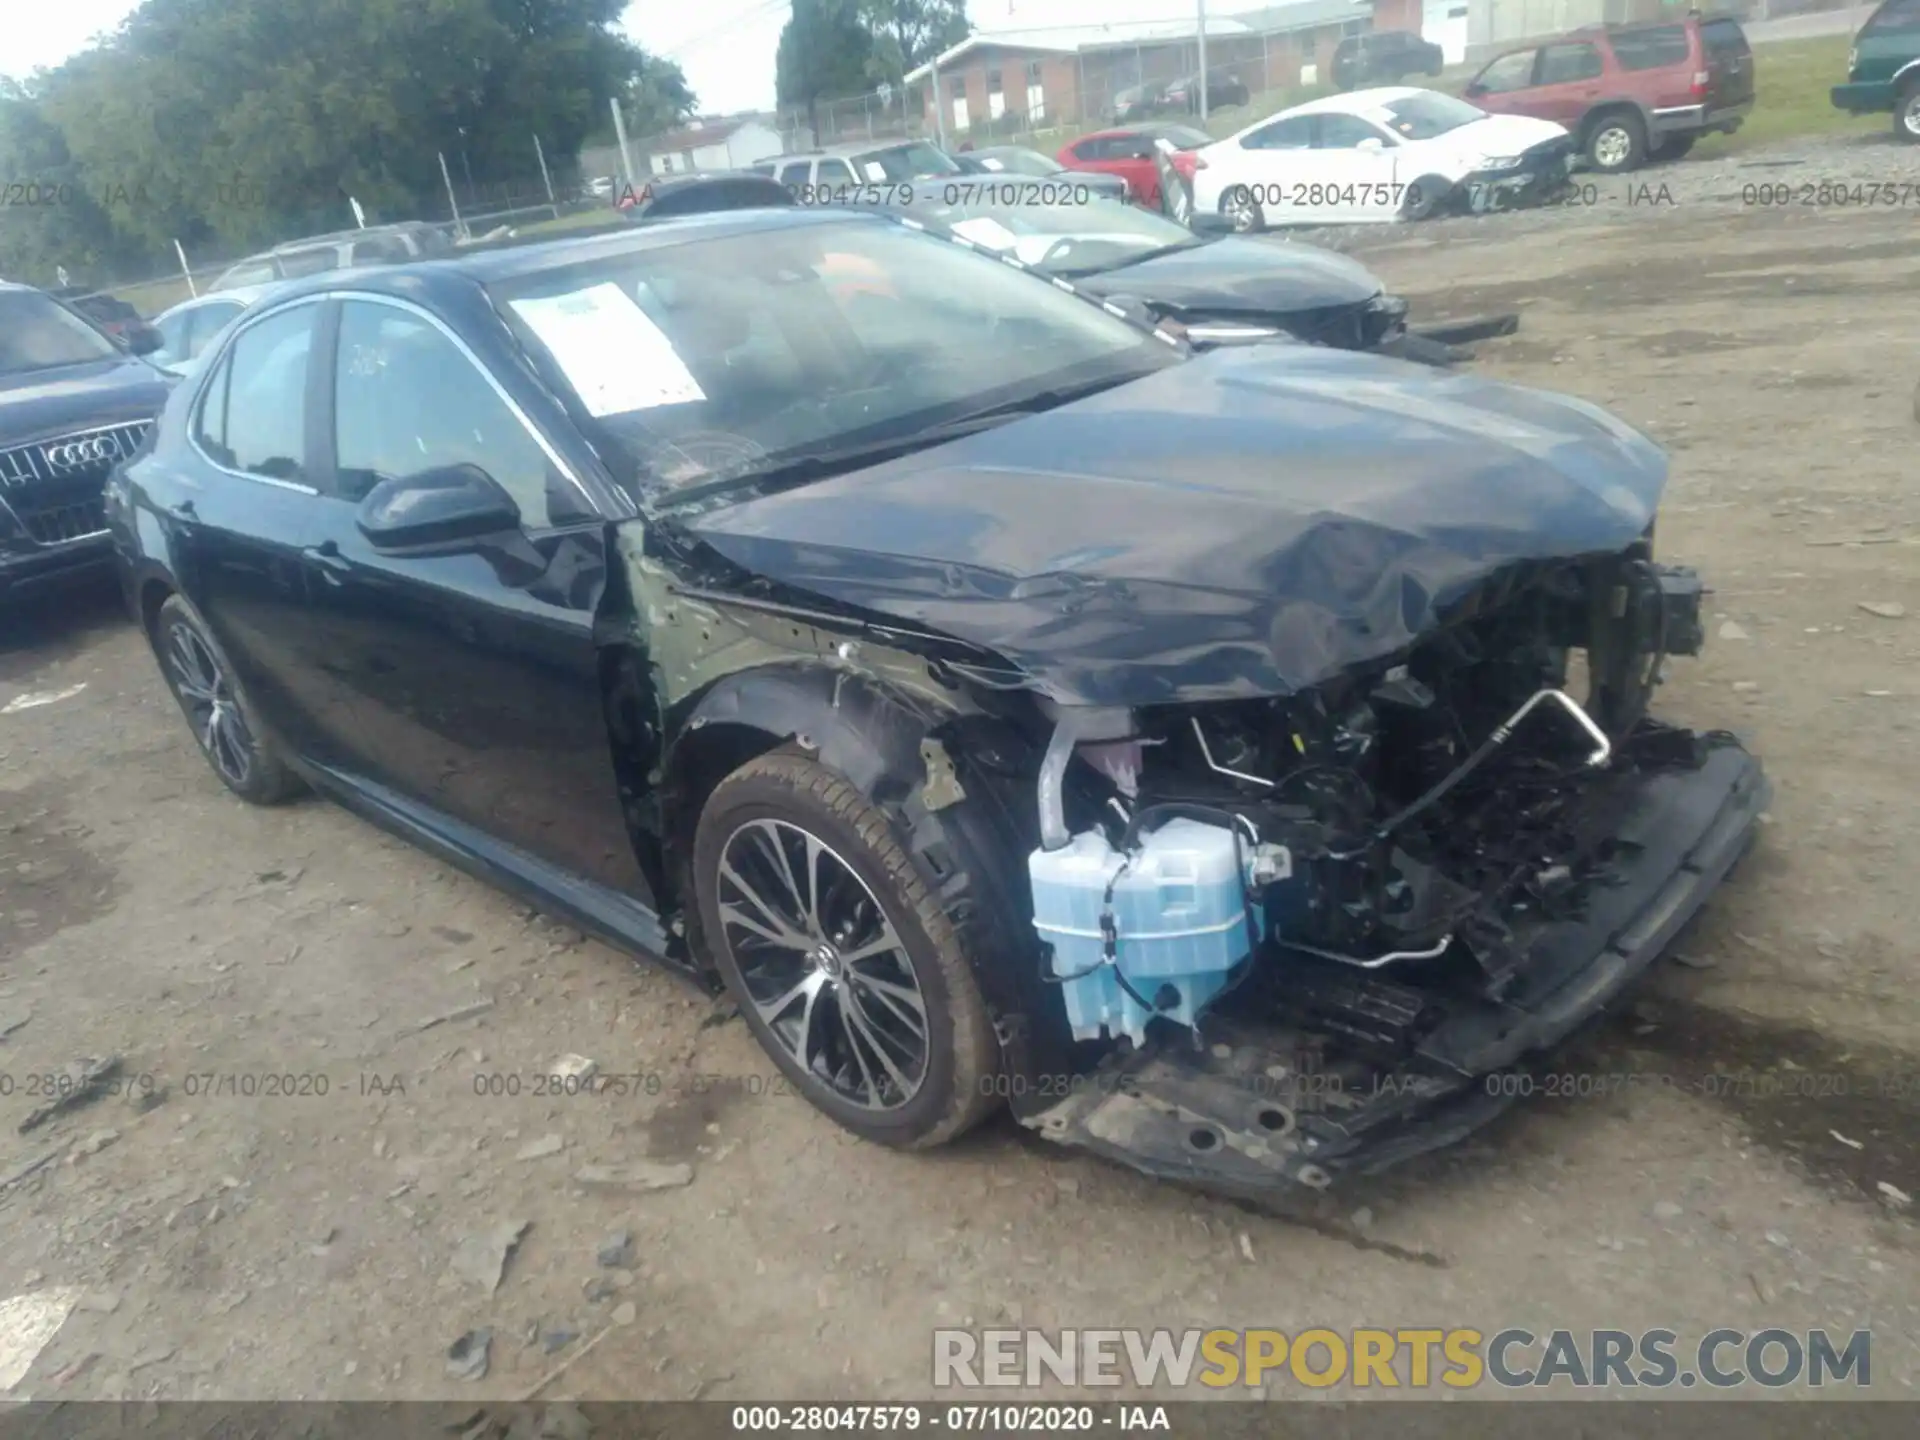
(1474, 88)
(1209, 222)
(447, 506)
(143, 339)
(1371, 146)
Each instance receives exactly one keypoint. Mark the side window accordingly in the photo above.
(175, 337)
(208, 321)
(1508, 73)
(1651, 48)
(1566, 64)
(382, 250)
(210, 420)
(795, 173)
(1345, 132)
(1294, 134)
(262, 408)
(250, 275)
(835, 172)
(1090, 150)
(406, 399)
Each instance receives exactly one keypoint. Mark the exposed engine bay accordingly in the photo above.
(1354, 868)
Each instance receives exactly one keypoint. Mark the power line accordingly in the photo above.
(765, 7)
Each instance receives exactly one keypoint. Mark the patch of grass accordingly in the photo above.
(597, 217)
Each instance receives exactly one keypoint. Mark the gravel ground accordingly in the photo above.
(226, 1242)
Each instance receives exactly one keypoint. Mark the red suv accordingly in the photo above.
(1628, 93)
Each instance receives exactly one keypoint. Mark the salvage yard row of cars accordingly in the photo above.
(1116, 731)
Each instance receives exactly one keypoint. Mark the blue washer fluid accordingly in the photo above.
(1179, 911)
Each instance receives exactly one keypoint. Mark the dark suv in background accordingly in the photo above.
(73, 404)
(1628, 93)
(1384, 57)
(1883, 70)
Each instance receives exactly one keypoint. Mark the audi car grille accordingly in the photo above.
(60, 523)
(87, 455)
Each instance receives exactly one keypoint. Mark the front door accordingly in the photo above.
(469, 682)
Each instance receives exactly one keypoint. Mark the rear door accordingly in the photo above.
(1729, 62)
(244, 515)
(1567, 80)
(1505, 86)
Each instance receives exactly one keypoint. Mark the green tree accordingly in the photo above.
(232, 123)
(824, 52)
(908, 33)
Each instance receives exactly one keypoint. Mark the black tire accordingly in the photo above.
(1238, 204)
(1423, 197)
(785, 805)
(1906, 113)
(1616, 143)
(1674, 147)
(224, 723)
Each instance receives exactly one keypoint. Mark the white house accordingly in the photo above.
(712, 145)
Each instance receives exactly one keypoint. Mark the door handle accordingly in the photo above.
(327, 556)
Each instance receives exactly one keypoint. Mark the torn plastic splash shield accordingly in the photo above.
(1250, 523)
(1257, 1108)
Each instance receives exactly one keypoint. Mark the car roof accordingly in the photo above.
(838, 152)
(414, 279)
(242, 294)
(1356, 102)
(682, 178)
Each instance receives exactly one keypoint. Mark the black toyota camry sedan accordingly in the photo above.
(1003, 702)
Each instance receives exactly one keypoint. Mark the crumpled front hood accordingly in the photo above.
(1248, 523)
(44, 403)
(1241, 277)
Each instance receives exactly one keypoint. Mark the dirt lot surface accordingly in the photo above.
(235, 1243)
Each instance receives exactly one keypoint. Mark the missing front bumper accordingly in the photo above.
(1264, 1107)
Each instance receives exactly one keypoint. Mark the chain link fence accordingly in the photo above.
(468, 207)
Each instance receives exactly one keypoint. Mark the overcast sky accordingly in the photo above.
(726, 48)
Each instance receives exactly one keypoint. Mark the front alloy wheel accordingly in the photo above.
(822, 965)
(839, 956)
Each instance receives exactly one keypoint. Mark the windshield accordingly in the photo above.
(731, 356)
(1425, 114)
(904, 162)
(1020, 162)
(1077, 234)
(38, 334)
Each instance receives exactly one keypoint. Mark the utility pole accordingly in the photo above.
(1203, 60)
(459, 225)
(540, 153)
(620, 132)
(939, 106)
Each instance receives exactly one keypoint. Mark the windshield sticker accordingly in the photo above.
(875, 170)
(985, 230)
(616, 357)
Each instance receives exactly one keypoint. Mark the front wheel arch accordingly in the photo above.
(970, 852)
